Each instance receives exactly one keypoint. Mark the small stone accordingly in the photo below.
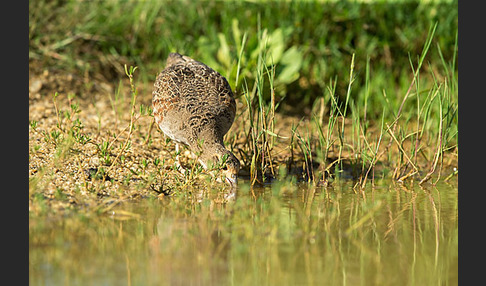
(35, 86)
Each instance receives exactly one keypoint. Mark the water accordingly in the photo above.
(282, 234)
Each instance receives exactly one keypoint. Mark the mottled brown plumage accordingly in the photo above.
(194, 105)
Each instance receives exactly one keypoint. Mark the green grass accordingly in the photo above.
(423, 116)
(308, 42)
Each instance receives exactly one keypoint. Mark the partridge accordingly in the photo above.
(194, 106)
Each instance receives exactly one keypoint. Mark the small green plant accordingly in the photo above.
(129, 72)
(104, 150)
(145, 163)
(33, 124)
(305, 146)
(325, 133)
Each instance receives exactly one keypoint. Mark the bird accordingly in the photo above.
(194, 106)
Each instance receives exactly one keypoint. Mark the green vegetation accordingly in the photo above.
(309, 42)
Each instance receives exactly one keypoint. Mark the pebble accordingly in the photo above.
(35, 86)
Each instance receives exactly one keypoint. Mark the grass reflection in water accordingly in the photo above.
(283, 234)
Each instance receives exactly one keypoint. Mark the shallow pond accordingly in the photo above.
(283, 234)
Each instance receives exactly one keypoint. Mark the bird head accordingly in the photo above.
(224, 161)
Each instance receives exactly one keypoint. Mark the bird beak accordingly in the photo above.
(233, 180)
